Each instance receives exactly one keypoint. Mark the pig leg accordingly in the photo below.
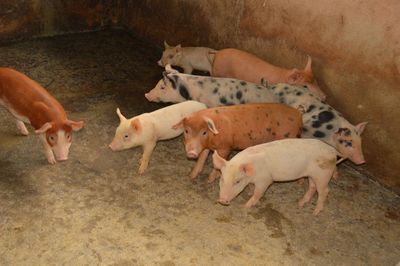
(322, 188)
(259, 191)
(147, 151)
(187, 69)
(310, 192)
(47, 150)
(22, 128)
(215, 173)
(199, 164)
(335, 175)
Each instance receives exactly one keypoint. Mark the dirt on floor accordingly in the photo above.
(94, 209)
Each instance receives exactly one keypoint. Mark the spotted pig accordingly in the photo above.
(177, 87)
(322, 122)
(237, 127)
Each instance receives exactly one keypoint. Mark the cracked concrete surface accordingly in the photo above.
(94, 209)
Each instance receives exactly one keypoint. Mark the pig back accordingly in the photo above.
(245, 125)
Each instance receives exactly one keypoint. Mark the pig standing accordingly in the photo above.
(30, 103)
(234, 63)
(281, 160)
(322, 122)
(229, 128)
(178, 87)
(148, 128)
(189, 58)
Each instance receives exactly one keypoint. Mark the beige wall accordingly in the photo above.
(355, 46)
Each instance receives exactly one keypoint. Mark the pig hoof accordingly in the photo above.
(316, 211)
(210, 180)
(141, 171)
(301, 203)
(51, 160)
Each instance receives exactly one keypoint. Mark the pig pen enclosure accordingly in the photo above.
(95, 209)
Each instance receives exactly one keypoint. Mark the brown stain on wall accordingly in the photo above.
(355, 47)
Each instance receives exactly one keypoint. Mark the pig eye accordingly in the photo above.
(126, 136)
(204, 133)
(162, 88)
(186, 131)
(237, 182)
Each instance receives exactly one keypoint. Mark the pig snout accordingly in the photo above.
(224, 201)
(160, 63)
(192, 154)
(357, 159)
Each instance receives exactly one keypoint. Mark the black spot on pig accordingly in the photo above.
(278, 124)
(223, 100)
(268, 129)
(243, 83)
(287, 135)
(346, 131)
(304, 129)
(329, 126)
(173, 79)
(231, 96)
(316, 124)
(299, 93)
(305, 86)
(239, 95)
(325, 116)
(245, 90)
(184, 92)
(232, 81)
(286, 88)
(319, 134)
(281, 93)
(310, 108)
(215, 90)
(273, 87)
(213, 80)
(346, 143)
(242, 102)
(273, 134)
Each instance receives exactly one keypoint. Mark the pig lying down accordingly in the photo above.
(30, 103)
(148, 128)
(234, 63)
(178, 87)
(237, 127)
(322, 122)
(189, 58)
(281, 160)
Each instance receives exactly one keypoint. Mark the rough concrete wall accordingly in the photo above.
(354, 44)
(32, 18)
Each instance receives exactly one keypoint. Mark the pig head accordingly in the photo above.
(166, 90)
(305, 77)
(347, 140)
(58, 136)
(127, 134)
(199, 133)
(171, 55)
(234, 177)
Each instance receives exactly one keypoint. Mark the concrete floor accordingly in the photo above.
(95, 209)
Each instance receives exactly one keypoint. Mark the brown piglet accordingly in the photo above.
(236, 127)
(234, 63)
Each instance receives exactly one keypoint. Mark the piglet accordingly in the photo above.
(236, 127)
(30, 103)
(189, 58)
(234, 63)
(148, 128)
(281, 160)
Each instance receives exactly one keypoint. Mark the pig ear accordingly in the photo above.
(166, 44)
(135, 123)
(76, 126)
(247, 169)
(178, 48)
(360, 127)
(211, 125)
(178, 125)
(218, 161)
(44, 128)
(121, 117)
(295, 76)
(308, 65)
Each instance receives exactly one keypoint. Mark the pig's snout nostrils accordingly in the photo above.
(223, 202)
(192, 155)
